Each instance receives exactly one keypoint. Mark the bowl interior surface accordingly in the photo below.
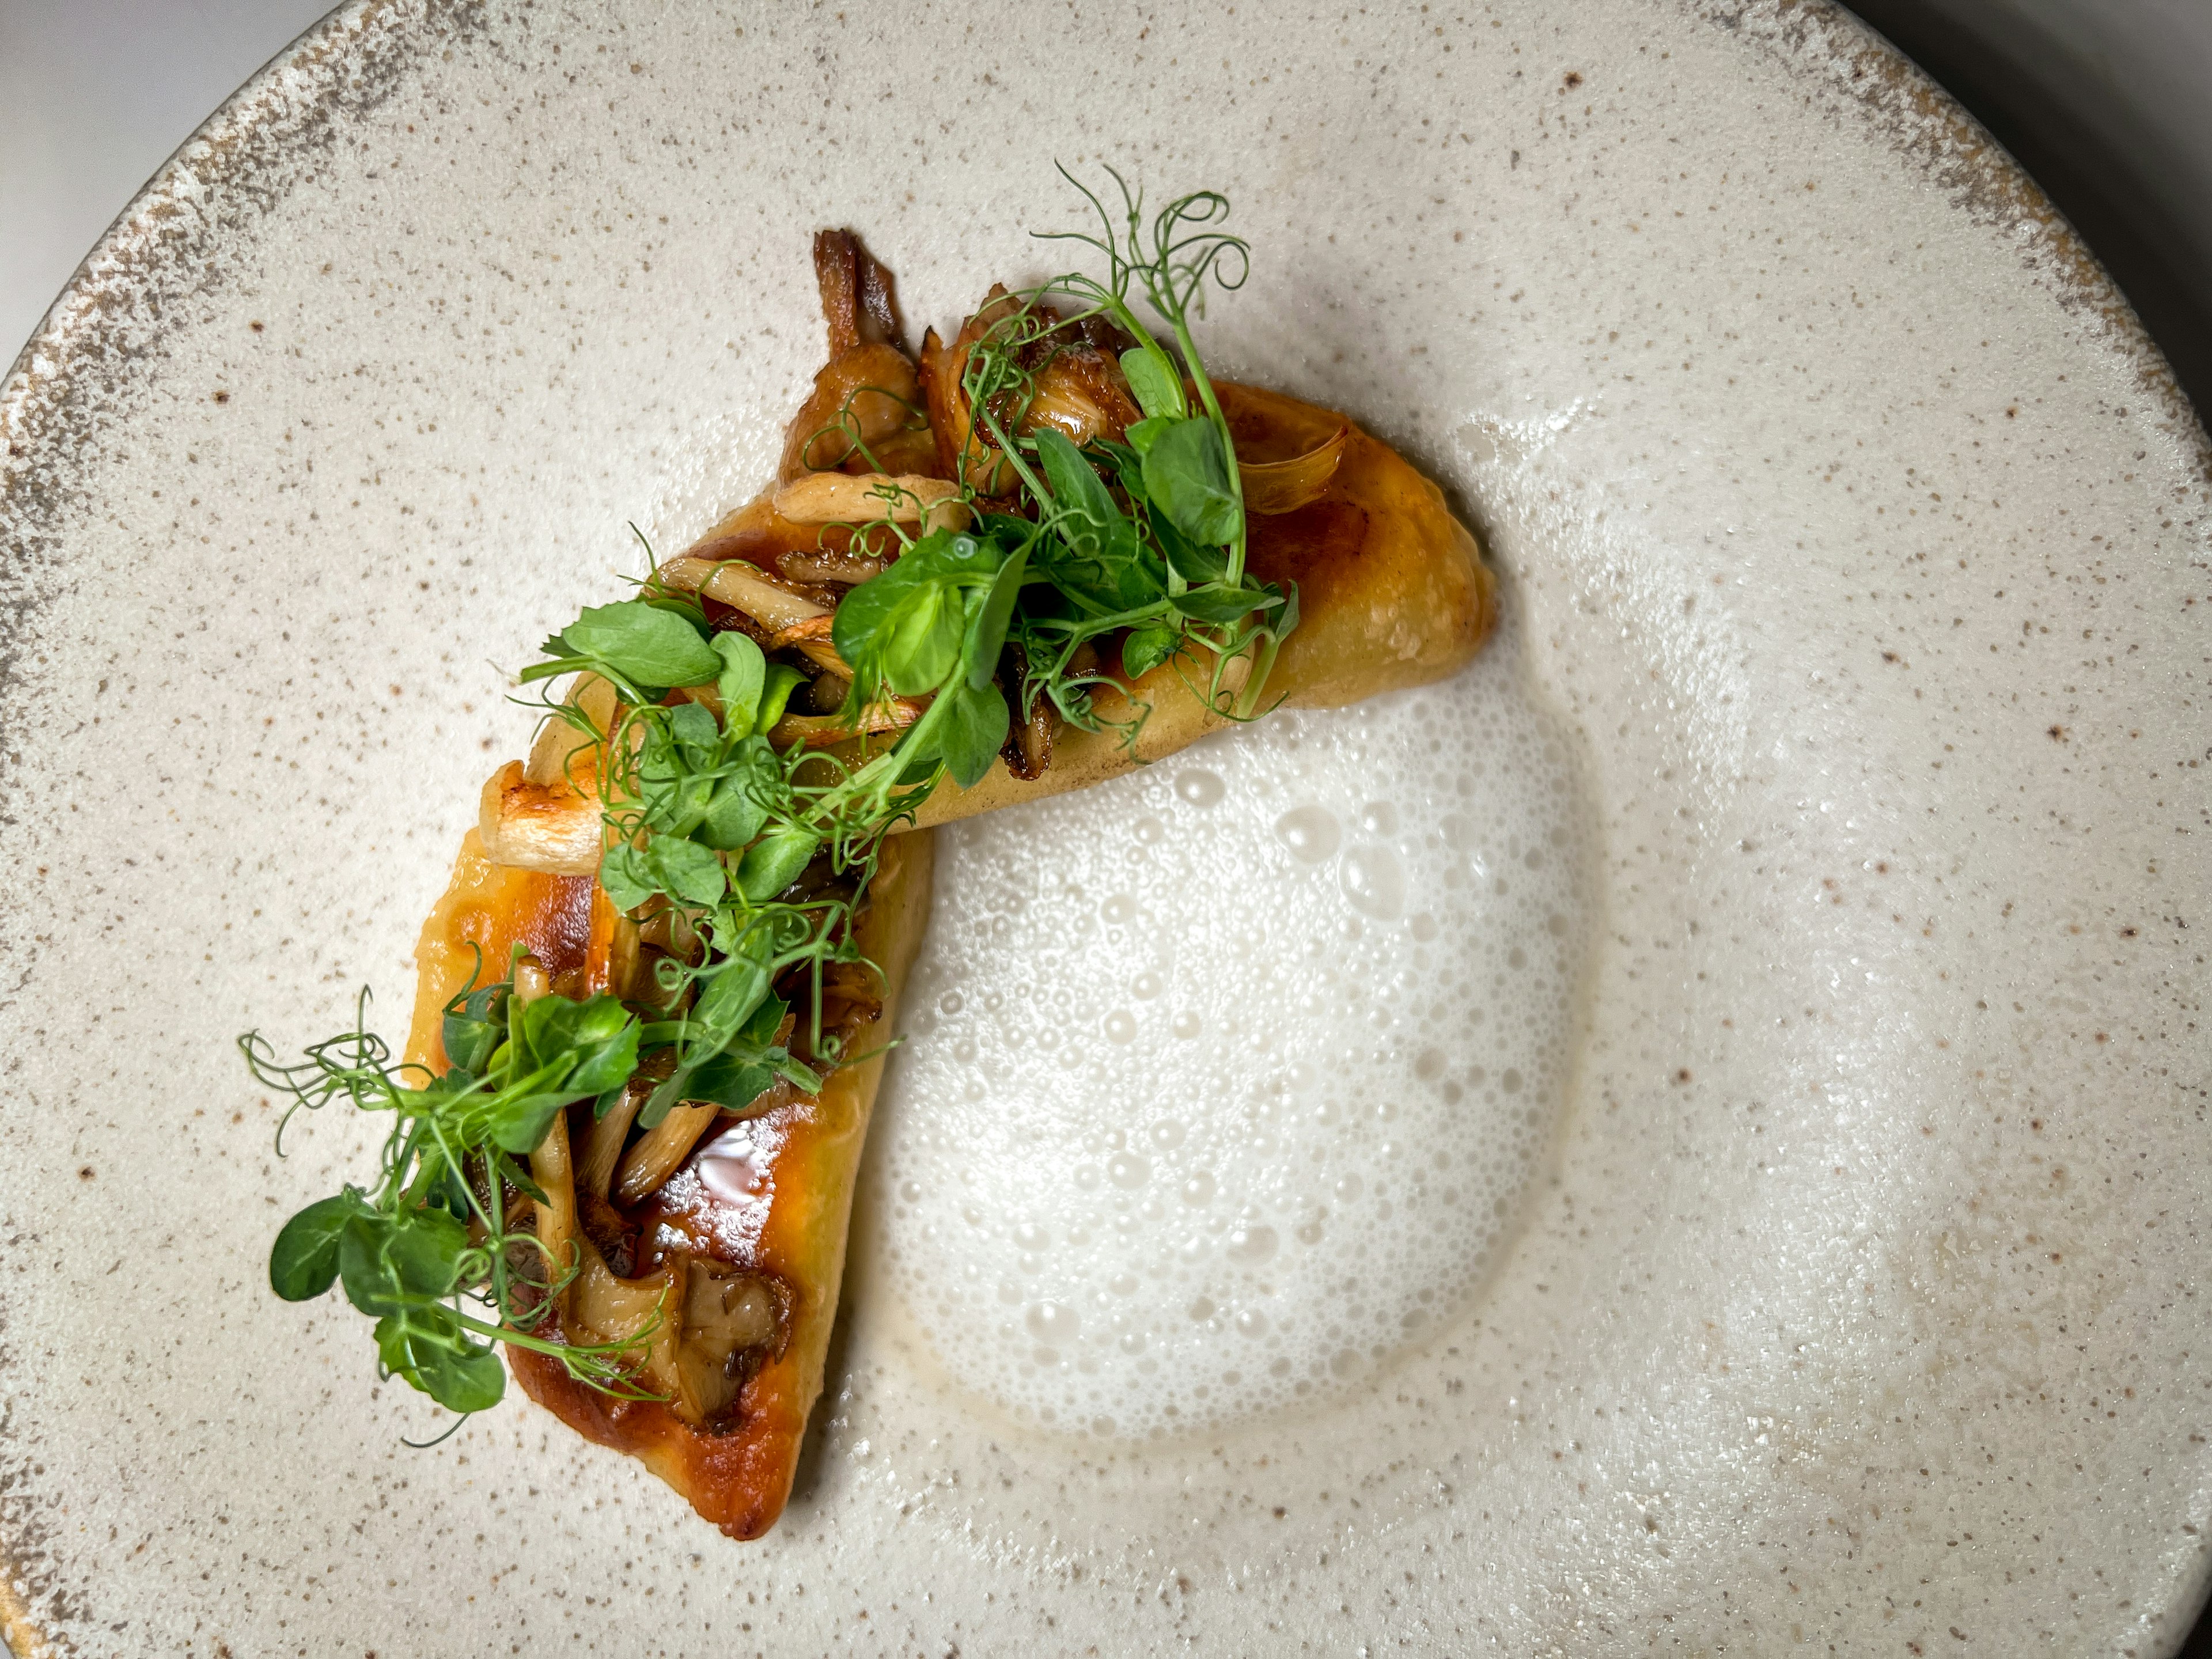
(1853, 539)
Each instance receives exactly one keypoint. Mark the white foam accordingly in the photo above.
(1221, 1082)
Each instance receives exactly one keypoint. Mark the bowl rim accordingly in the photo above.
(263, 141)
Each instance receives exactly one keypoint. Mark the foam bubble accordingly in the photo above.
(1195, 1119)
(1201, 787)
(1374, 882)
(1312, 833)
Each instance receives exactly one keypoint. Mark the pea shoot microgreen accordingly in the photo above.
(437, 1232)
(1128, 551)
(1164, 566)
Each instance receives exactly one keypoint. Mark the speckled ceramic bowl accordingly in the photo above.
(1849, 522)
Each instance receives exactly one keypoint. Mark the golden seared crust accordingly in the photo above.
(1392, 592)
(556, 827)
(1392, 588)
(486, 910)
(791, 1231)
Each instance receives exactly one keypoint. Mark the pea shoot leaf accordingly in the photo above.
(387, 1262)
(730, 1004)
(864, 614)
(1121, 574)
(731, 997)
(1106, 562)
(473, 1029)
(733, 815)
(1144, 649)
(687, 871)
(674, 799)
(783, 680)
(1186, 558)
(643, 643)
(1219, 603)
(1186, 477)
(898, 626)
(1154, 380)
(731, 1081)
(986, 632)
(600, 1037)
(918, 649)
(622, 874)
(694, 733)
(1128, 466)
(973, 730)
(304, 1263)
(1143, 434)
(516, 1118)
(738, 1076)
(566, 1050)
(773, 863)
(1087, 509)
(1003, 528)
(430, 1349)
(743, 679)
(668, 864)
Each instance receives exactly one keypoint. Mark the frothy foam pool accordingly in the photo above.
(1221, 1082)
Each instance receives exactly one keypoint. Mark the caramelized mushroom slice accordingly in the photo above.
(1082, 392)
(742, 587)
(858, 297)
(607, 1309)
(765, 539)
(850, 499)
(603, 1148)
(594, 1302)
(661, 1149)
(1028, 748)
(610, 1310)
(962, 452)
(866, 413)
(823, 730)
(1078, 389)
(562, 753)
(843, 568)
(667, 927)
(556, 1211)
(728, 1314)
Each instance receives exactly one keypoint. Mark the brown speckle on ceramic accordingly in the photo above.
(1850, 525)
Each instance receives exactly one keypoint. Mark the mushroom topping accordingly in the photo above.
(866, 401)
(661, 1149)
(843, 498)
(742, 587)
(728, 1315)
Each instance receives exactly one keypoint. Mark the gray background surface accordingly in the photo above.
(2108, 105)
(95, 95)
